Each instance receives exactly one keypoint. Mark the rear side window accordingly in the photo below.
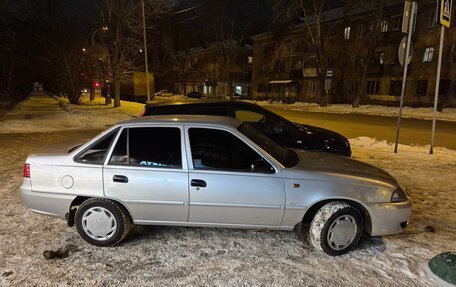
(148, 147)
(96, 153)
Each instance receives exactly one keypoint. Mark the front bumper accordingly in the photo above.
(389, 218)
(52, 204)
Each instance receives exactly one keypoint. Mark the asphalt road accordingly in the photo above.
(413, 131)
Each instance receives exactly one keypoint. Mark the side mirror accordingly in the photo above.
(261, 166)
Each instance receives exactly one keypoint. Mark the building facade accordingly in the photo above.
(211, 69)
(360, 53)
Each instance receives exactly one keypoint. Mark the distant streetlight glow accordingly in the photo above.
(140, 50)
(84, 50)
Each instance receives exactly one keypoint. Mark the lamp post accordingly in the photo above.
(145, 51)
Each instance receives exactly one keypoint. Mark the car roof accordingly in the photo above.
(202, 102)
(185, 119)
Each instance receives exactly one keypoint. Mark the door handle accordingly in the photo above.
(120, 178)
(198, 183)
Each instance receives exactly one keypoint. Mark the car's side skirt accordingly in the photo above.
(206, 224)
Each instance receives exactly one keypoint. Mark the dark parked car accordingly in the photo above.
(194, 94)
(281, 130)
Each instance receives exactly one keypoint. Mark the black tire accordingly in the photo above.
(342, 222)
(107, 214)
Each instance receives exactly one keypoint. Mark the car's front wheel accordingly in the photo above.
(336, 228)
(102, 222)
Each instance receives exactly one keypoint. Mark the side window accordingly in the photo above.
(220, 150)
(267, 124)
(149, 147)
(95, 154)
(275, 128)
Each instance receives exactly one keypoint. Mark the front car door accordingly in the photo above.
(146, 171)
(230, 182)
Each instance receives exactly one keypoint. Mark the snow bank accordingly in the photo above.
(407, 112)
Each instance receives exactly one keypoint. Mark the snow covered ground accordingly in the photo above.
(170, 256)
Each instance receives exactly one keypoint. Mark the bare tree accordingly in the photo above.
(230, 37)
(365, 52)
(311, 13)
(451, 93)
(121, 22)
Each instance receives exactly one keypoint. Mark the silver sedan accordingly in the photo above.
(211, 172)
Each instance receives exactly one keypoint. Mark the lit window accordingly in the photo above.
(381, 58)
(384, 26)
(347, 33)
(428, 54)
(250, 60)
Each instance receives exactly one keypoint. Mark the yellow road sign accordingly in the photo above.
(445, 12)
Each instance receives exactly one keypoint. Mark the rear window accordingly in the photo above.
(148, 147)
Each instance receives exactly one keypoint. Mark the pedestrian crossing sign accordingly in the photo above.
(444, 10)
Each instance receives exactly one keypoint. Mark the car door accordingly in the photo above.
(274, 127)
(146, 172)
(230, 182)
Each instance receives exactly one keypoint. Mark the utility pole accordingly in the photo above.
(145, 52)
(409, 13)
(444, 8)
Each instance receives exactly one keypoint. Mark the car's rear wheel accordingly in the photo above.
(102, 222)
(336, 228)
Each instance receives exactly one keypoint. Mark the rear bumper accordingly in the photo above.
(389, 218)
(52, 204)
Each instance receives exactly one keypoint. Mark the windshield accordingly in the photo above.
(285, 156)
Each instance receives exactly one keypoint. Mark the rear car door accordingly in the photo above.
(226, 185)
(146, 171)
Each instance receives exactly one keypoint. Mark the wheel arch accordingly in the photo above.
(70, 216)
(310, 213)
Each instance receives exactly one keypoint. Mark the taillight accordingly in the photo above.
(27, 170)
(141, 114)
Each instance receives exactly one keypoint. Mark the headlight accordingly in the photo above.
(398, 195)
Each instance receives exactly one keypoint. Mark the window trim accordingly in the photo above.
(266, 156)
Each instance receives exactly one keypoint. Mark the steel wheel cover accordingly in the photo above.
(342, 232)
(99, 223)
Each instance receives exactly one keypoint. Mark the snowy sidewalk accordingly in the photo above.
(43, 113)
